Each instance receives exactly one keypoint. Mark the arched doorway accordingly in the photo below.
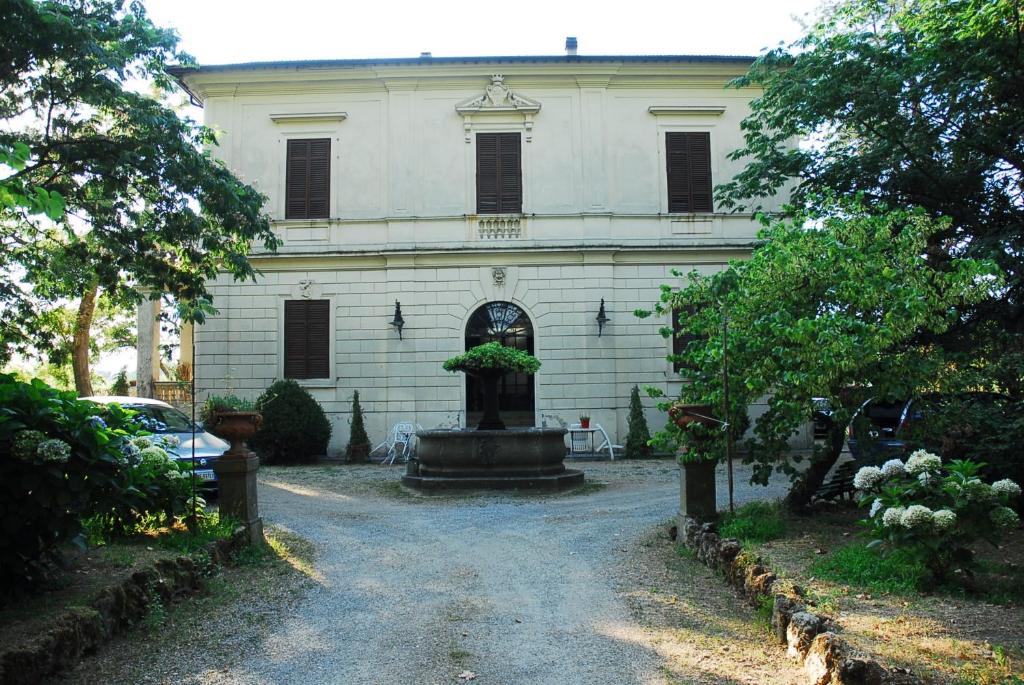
(508, 324)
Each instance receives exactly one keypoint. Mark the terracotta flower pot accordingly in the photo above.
(236, 427)
(584, 423)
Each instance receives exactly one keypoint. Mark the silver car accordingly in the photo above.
(161, 418)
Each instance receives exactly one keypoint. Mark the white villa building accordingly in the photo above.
(512, 198)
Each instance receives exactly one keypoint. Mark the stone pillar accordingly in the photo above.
(147, 367)
(236, 482)
(697, 491)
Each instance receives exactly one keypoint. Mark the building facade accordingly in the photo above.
(469, 199)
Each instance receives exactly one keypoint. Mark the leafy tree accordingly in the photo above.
(827, 303)
(109, 190)
(358, 441)
(911, 104)
(119, 388)
(639, 436)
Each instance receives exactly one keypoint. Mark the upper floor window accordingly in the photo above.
(499, 175)
(688, 158)
(307, 338)
(308, 184)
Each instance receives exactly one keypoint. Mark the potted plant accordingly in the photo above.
(699, 436)
(490, 362)
(232, 418)
(584, 421)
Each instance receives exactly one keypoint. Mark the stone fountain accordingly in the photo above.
(492, 456)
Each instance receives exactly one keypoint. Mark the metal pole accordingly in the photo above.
(195, 516)
(728, 418)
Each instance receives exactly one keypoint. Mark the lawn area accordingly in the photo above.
(886, 607)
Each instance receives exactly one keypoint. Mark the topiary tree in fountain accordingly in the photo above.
(489, 362)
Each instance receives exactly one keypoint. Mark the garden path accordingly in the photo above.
(510, 589)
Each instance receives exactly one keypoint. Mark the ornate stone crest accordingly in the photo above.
(498, 98)
(498, 275)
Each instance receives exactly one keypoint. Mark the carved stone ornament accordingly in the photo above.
(498, 274)
(306, 289)
(497, 98)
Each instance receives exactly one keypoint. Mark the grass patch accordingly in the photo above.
(765, 608)
(856, 565)
(754, 522)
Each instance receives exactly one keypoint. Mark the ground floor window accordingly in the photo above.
(307, 339)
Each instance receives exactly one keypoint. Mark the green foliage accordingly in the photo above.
(61, 462)
(358, 442)
(828, 300)
(493, 356)
(986, 429)
(912, 104)
(754, 522)
(935, 512)
(152, 206)
(216, 404)
(119, 388)
(294, 427)
(765, 609)
(639, 437)
(899, 573)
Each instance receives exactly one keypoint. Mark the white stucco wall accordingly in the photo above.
(403, 227)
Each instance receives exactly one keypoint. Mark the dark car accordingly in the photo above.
(892, 429)
(821, 416)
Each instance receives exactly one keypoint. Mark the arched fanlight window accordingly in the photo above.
(501, 321)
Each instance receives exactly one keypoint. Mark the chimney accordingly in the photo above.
(425, 55)
(570, 45)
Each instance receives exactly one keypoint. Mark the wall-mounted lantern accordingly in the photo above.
(398, 322)
(602, 319)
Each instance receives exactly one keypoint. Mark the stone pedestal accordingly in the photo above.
(697, 491)
(236, 480)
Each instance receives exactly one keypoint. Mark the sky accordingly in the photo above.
(229, 31)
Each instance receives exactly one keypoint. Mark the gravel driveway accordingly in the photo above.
(509, 589)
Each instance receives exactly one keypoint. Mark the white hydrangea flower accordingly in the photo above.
(1006, 487)
(170, 441)
(876, 507)
(894, 468)
(944, 519)
(892, 517)
(175, 475)
(1004, 517)
(923, 462)
(142, 441)
(26, 444)
(927, 478)
(868, 477)
(916, 516)
(54, 451)
(154, 455)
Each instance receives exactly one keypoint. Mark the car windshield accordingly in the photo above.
(157, 419)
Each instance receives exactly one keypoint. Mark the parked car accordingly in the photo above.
(821, 416)
(161, 418)
(883, 430)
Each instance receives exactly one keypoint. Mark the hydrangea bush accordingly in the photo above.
(62, 462)
(934, 510)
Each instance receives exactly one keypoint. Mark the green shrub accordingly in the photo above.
(358, 441)
(294, 427)
(639, 437)
(62, 462)
(119, 388)
(935, 512)
(754, 522)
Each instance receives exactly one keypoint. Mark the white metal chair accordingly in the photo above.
(581, 440)
(401, 436)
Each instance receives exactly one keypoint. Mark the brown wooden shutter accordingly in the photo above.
(499, 176)
(688, 162)
(308, 179)
(486, 173)
(307, 340)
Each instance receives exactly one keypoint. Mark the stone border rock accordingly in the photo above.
(811, 639)
(113, 610)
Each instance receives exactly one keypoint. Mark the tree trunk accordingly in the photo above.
(490, 420)
(821, 463)
(80, 343)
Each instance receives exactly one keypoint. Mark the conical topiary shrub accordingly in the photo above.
(358, 442)
(294, 427)
(639, 435)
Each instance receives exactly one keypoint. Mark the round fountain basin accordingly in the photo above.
(513, 459)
